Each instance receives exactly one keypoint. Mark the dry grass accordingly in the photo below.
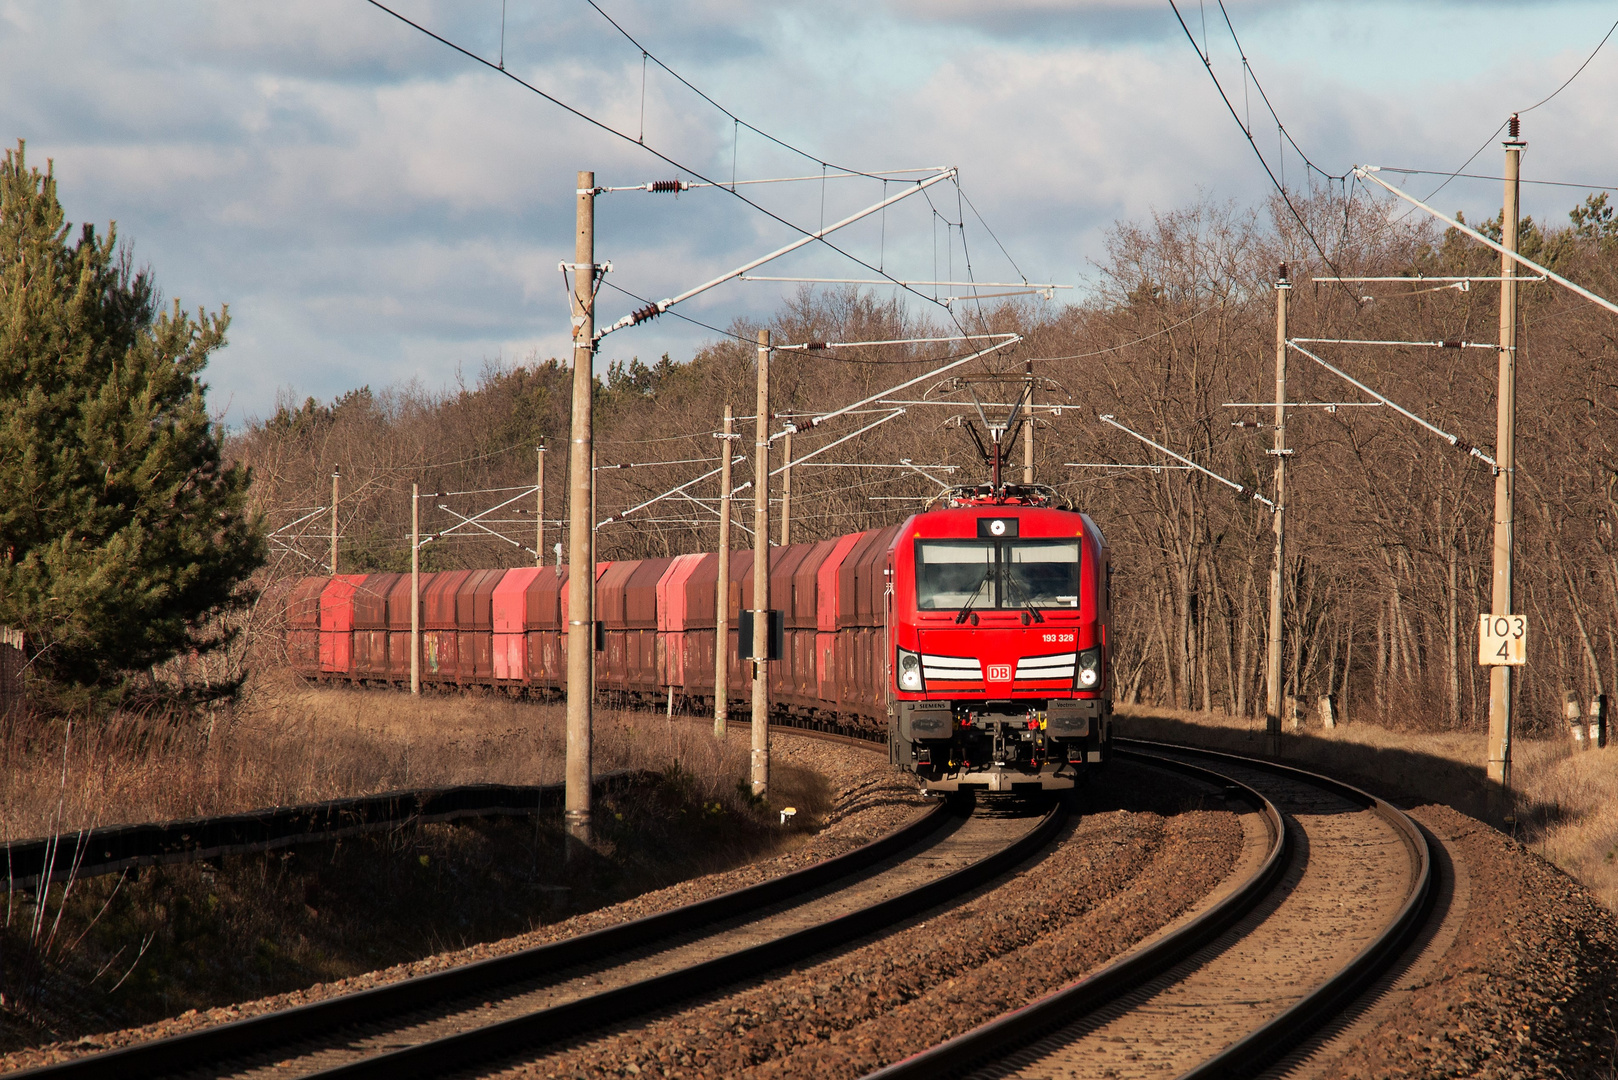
(117, 949)
(290, 742)
(1567, 801)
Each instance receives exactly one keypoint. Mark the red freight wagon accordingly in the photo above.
(848, 644)
(827, 597)
(869, 661)
(784, 563)
(371, 626)
(612, 667)
(672, 613)
(700, 620)
(544, 605)
(303, 625)
(399, 627)
(640, 626)
(439, 645)
(741, 597)
(802, 621)
(601, 570)
(510, 612)
(337, 624)
(474, 624)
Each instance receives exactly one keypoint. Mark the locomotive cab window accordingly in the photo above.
(986, 575)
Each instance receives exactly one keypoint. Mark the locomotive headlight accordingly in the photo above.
(1088, 675)
(910, 671)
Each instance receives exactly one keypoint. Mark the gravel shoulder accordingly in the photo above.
(1527, 986)
(871, 800)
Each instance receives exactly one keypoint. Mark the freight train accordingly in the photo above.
(974, 635)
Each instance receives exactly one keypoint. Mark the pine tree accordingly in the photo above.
(122, 531)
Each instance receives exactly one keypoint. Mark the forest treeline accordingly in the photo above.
(1390, 527)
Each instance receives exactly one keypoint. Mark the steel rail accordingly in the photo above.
(1281, 1033)
(1265, 1044)
(547, 1026)
(1022, 1026)
(242, 1037)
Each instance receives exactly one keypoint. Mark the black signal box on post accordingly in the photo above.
(777, 635)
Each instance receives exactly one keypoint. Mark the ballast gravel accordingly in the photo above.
(1117, 877)
(872, 799)
(1528, 989)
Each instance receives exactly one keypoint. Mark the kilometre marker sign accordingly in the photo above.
(1502, 639)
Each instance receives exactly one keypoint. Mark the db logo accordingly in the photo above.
(999, 672)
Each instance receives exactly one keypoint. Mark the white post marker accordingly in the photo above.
(1502, 640)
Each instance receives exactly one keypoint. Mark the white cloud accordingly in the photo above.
(375, 207)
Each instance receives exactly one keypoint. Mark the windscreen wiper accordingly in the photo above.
(966, 609)
(1027, 601)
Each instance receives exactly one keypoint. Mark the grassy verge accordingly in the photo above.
(1566, 801)
(120, 950)
(290, 742)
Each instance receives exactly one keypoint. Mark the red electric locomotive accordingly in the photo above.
(998, 630)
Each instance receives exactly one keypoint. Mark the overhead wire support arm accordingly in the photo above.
(836, 442)
(817, 346)
(479, 525)
(659, 498)
(1045, 288)
(673, 186)
(1368, 172)
(1113, 465)
(651, 311)
(814, 422)
(907, 463)
(1419, 279)
(1451, 344)
(1233, 485)
(1453, 440)
(473, 520)
(299, 521)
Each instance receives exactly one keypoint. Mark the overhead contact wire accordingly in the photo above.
(609, 129)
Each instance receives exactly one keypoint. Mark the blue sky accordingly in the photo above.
(376, 208)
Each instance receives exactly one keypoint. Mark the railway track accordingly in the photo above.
(448, 1020)
(1345, 885)
(1332, 885)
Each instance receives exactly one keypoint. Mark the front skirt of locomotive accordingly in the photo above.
(1000, 778)
(999, 747)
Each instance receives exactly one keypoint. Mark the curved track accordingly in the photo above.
(1346, 884)
(1334, 885)
(428, 1025)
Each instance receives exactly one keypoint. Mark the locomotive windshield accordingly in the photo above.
(990, 574)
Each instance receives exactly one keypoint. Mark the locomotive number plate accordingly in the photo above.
(1060, 637)
(999, 672)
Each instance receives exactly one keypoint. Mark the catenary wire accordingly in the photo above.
(609, 129)
(1450, 176)
(1247, 131)
(1575, 74)
(1248, 68)
(1495, 134)
(1126, 344)
(990, 231)
(738, 121)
